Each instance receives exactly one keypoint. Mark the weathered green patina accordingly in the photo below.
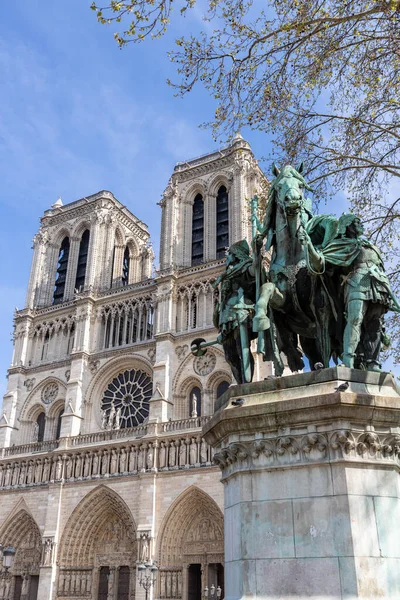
(321, 292)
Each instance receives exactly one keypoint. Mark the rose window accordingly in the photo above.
(128, 396)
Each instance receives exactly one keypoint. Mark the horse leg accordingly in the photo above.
(229, 345)
(311, 351)
(269, 293)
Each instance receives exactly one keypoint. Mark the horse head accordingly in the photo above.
(288, 187)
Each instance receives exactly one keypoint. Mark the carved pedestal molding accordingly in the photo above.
(311, 478)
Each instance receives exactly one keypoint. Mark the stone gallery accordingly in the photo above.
(102, 459)
(120, 415)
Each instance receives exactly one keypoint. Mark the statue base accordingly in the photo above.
(311, 483)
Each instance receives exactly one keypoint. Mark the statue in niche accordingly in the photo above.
(133, 460)
(203, 451)
(47, 552)
(141, 461)
(22, 474)
(78, 464)
(194, 406)
(111, 578)
(7, 476)
(150, 456)
(111, 417)
(104, 463)
(117, 423)
(114, 462)
(46, 468)
(162, 456)
(122, 460)
(35, 435)
(193, 452)
(104, 420)
(25, 585)
(86, 465)
(182, 454)
(15, 474)
(95, 465)
(7, 587)
(171, 454)
(59, 466)
(144, 547)
(29, 475)
(38, 471)
(174, 586)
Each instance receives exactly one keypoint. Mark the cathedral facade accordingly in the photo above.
(102, 462)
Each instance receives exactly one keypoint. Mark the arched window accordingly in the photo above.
(41, 423)
(59, 421)
(198, 230)
(45, 346)
(222, 221)
(82, 261)
(71, 339)
(222, 387)
(195, 402)
(125, 267)
(61, 276)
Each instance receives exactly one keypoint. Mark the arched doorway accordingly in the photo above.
(191, 549)
(22, 532)
(100, 537)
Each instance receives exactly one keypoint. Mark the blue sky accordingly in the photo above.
(78, 115)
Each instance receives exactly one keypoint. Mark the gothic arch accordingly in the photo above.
(193, 525)
(21, 531)
(119, 236)
(197, 187)
(216, 182)
(35, 396)
(214, 380)
(187, 366)
(102, 512)
(80, 228)
(59, 235)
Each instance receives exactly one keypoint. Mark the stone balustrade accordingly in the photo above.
(182, 424)
(46, 446)
(108, 435)
(104, 436)
(164, 453)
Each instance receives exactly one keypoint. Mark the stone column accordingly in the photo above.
(311, 485)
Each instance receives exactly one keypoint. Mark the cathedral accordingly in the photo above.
(102, 465)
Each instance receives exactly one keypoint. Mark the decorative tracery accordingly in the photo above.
(125, 402)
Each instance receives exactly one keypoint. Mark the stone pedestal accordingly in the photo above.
(311, 479)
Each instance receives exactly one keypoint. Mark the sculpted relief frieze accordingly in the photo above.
(314, 447)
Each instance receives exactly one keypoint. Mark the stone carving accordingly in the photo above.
(35, 435)
(47, 554)
(181, 351)
(93, 366)
(129, 393)
(204, 365)
(193, 412)
(67, 375)
(151, 353)
(175, 453)
(286, 449)
(29, 383)
(144, 547)
(49, 392)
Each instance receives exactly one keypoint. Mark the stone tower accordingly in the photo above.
(102, 417)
